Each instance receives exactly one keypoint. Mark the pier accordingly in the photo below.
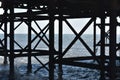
(30, 14)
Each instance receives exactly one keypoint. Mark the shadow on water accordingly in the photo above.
(70, 73)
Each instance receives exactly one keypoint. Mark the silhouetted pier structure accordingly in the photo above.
(30, 11)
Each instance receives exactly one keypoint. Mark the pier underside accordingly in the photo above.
(39, 19)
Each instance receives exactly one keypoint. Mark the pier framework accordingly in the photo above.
(30, 14)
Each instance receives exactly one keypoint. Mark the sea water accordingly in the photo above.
(69, 72)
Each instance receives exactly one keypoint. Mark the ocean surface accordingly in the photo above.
(69, 72)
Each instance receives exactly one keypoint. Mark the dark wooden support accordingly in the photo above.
(80, 64)
(38, 35)
(11, 57)
(112, 53)
(51, 39)
(42, 31)
(102, 37)
(5, 35)
(94, 29)
(51, 48)
(60, 45)
(102, 47)
(29, 66)
(78, 36)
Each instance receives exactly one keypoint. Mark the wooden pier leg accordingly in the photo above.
(51, 39)
(102, 37)
(5, 36)
(51, 48)
(60, 48)
(102, 47)
(94, 46)
(29, 66)
(11, 57)
(112, 53)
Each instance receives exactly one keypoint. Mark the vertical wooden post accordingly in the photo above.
(51, 39)
(102, 47)
(51, 48)
(11, 17)
(112, 53)
(94, 29)
(5, 35)
(102, 37)
(112, 46)
(29, 66)
(60, 45)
